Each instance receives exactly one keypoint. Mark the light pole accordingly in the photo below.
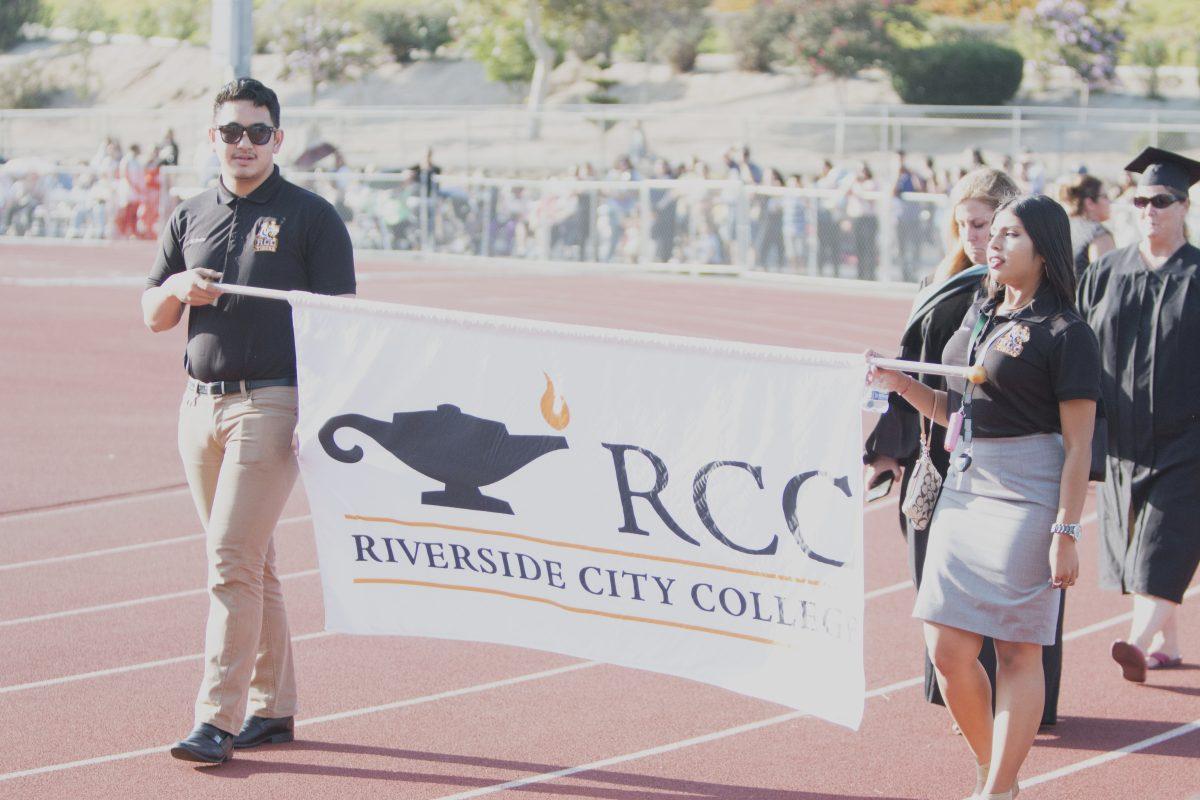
(232, 37)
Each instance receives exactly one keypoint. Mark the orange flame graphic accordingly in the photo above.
(556, 419)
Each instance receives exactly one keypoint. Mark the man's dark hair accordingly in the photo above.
(252, 90)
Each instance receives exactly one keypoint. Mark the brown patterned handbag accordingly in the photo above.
(924, 486)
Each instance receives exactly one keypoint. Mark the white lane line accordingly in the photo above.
(20, 687)
(665, 748)
(883, 691)
(1112, 755)
(88, 505)
(1119, 618)
(876, 506)
(73, 612)
(895, 587)
(156, 598)
(429, 698)
(104, 673)
(413, 701)
(127, 548)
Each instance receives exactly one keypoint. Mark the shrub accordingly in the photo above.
(757, 37)
(182, 19)
(86, 16)
(411, 29)
(679, 48)
(26, 86)
(963, 71)
(842, 37)
(14, 14)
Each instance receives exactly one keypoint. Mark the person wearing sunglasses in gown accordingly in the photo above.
(1143, 301)
(1002, 543)
(238, 413)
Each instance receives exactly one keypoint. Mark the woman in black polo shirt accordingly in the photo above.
(1002, 540)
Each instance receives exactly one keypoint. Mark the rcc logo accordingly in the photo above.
(700, 500)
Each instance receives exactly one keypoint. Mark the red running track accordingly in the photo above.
(101, 576)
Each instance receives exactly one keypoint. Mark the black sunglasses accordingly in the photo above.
(260, 133)
(1158, 201)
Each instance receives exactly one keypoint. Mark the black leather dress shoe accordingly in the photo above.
(264, 730)
(206, 744)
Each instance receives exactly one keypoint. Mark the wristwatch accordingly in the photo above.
(1074, 529)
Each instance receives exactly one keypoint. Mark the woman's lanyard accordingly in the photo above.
(975, 352)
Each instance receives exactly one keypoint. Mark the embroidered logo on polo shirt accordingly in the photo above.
(266, 235)
(1013, 342)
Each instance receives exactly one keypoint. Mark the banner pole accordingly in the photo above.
(975, 374)
(252, 291)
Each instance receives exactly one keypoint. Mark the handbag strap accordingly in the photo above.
(927, 434)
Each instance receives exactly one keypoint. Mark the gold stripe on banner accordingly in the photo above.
(572, 609)
(573, 546)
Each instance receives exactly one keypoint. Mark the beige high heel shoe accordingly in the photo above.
(1011, 794)
(981, 776)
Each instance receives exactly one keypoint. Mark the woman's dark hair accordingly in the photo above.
(252, 90)
(1046, 223)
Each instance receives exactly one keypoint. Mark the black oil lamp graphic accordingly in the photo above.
(461, 451)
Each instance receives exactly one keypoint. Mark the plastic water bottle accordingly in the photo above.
(875, 400)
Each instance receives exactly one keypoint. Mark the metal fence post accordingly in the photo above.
(423, 214)
(489, 216)
(742, 229)
(887, 233)
(644, 221)
(1016, 131)
(814, 243)
(467, 142)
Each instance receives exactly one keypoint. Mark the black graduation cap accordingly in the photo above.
(1164, 168)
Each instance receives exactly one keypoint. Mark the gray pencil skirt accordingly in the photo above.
(987, 568)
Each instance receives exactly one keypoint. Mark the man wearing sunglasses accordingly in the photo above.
(1143, 301)
(238, 413)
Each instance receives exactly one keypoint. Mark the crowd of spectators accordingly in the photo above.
(649, 208)
(643, 208)
(115, 195)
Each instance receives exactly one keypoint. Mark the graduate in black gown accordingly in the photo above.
(1143, 301)
(937, 312)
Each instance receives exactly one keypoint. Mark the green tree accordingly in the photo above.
(408, 29)
(843, 37)
(319, 48)
(958, 70)
(759, 36)
(667, 30)
(1150, 53)
(14, 14)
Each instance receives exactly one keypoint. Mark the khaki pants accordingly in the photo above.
(237, 453)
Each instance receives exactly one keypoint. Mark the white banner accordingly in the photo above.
(685, 506)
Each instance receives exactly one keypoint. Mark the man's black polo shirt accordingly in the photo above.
(278, 237)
